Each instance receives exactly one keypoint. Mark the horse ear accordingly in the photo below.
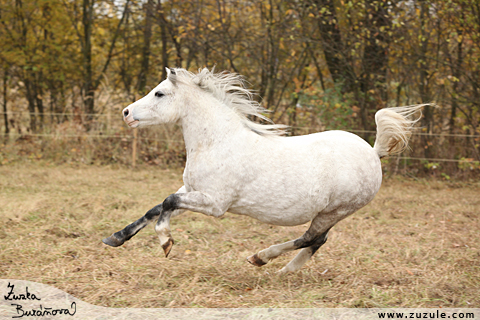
(171, 75)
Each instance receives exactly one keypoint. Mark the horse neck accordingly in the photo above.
(208, 123)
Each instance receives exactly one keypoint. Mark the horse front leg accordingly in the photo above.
(180, 202)
(162, 228)
(120, 237)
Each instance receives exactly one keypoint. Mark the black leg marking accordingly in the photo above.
(119, 238)
(308, 251)
(307, 240)
(171, 203)
(319, 242)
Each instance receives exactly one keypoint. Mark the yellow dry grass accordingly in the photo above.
(416, 245)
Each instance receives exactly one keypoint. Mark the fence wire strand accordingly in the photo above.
(414, 133)
(131, 137)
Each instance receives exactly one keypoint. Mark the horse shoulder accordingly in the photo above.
(221, 168)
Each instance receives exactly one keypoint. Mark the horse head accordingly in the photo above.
(158, 106)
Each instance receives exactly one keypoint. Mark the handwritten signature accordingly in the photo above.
(27, 296)
(35, 312)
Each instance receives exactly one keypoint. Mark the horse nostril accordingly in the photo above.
(125, 113)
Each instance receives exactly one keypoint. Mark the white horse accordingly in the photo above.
(242, 167)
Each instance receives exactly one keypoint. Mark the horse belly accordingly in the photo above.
(287, 202)
(317, 180)
(284, 217)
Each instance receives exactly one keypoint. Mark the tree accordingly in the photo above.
(94, 70)
(34, 49)
(5, 88)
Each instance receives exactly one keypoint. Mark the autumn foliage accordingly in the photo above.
(315, 64)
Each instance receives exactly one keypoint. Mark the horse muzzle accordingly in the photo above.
(129, 119)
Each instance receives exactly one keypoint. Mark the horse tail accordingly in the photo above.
(394, 128)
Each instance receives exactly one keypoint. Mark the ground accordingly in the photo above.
(416, 245)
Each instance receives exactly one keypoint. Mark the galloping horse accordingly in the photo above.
(239, 166)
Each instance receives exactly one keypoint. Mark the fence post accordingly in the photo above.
(134, 148)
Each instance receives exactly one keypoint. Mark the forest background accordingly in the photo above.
(68, 67)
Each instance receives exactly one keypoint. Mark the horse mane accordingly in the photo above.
(230, 89)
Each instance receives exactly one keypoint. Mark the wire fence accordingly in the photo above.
(133, 139)
(116, 130)
(414, 133)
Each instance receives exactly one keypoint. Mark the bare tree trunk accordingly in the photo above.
(173, 34)
(455, 67)
(294, 103)
(333, 46)
(374, 63)
(272, 49)
(163, 34)
(88, 89)
(147, 35)
(89, 83)
(424, 77)
(31, 103)
(5, 115)
(38, 96)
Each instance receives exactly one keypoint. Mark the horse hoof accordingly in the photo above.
(167, 246)
(256, 261)
(283, 271)
(112, 241)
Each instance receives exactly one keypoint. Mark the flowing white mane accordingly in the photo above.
(230, 89)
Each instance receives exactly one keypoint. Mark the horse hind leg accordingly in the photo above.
(305, 254)
(311, 240)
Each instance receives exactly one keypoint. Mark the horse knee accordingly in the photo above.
(171, 202)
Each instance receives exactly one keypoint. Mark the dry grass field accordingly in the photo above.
(416, 245)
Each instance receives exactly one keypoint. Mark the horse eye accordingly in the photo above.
(159, 94)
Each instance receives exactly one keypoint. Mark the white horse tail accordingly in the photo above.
(394, 128)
